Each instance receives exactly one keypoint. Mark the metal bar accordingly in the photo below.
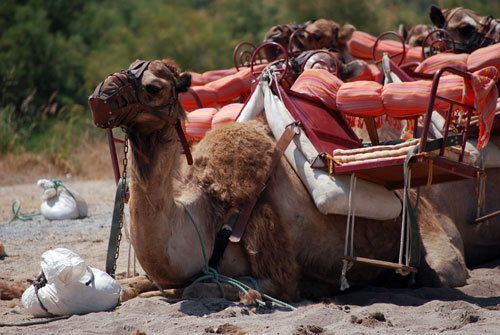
(464, 134)
(114, 158)
(455, 102)
(435, 83)
(487, 216)
(382, 264)
(446, 129)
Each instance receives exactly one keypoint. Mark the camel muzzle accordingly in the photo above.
(119, 103)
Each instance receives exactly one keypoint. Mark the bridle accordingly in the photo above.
(481, 37)
(123, 105)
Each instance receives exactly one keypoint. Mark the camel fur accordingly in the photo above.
(415, 35)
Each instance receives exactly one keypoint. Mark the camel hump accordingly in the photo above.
(232, 160)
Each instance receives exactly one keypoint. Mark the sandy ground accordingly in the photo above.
(472, 309)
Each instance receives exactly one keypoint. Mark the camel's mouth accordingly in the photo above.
(115, 101)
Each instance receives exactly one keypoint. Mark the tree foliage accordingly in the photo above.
(54, 52)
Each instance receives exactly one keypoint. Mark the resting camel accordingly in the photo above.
(469, 30)
(416, 35)
(321, 34)
(481, 240)
(287, 241)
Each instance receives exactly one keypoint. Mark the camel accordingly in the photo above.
(458, 201)
(287, 241)
(469, 30)
(321, 34)
(415, 35)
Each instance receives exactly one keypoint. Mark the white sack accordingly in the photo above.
(66, 291)
(60, 204)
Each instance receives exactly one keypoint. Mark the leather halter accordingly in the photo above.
(482, 37)
(121, 106)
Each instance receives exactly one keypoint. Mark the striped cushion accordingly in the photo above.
(432, 64)
(228, 88)
(360, 45)
(413, 54)
(320, 84)
(207, 95)
(210, 76)
(199, 121)
(228, 113)
(451, 87)
(404, 100)
(360, 98)
(484, 57)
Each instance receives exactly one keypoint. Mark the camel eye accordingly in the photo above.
(466, 30)
(153, 89)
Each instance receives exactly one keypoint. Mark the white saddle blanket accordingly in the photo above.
(330, 195)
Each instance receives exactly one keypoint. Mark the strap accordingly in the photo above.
(221, 241)
(115, 231)
(245, 213)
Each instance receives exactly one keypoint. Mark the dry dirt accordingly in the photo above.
(472, 309)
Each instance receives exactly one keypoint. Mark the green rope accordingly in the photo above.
(58, 183)
(212, 274)
(21, 217)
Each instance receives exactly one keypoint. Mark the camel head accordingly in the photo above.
(143, 100)
(325, 34)
(416, 35)
(469, 30)
(143, 97)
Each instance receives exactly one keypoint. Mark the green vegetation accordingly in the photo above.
(54, 52)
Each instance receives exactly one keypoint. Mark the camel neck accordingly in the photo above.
(162, 234)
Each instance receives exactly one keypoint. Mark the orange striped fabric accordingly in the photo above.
(450, 87)
(361, 45)
(207, 95)
(227, 88)
(484, 57)
(434, 63)
(198, 79)
(320, 84)
(360, 98)
(404, 100)
(228, 113)
(485, 99)
(198, 122)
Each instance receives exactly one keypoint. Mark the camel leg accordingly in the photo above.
(443, 249)
(141, 286)
(212, 290)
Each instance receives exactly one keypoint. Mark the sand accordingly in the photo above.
(472, 309)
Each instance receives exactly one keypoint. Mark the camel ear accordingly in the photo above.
(344, 34)
(437, 16)
(402, 31)
(183, 82)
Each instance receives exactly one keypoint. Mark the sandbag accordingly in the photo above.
(59, 202)
(68, 286)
